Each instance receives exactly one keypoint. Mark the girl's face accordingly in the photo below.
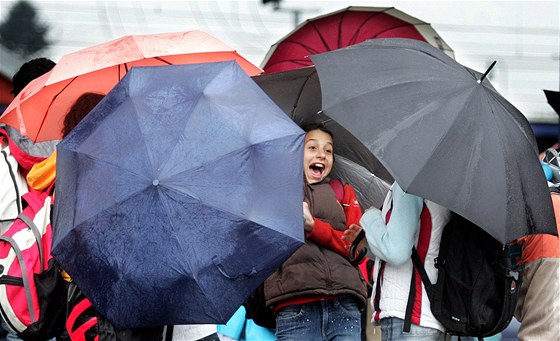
(317, 156)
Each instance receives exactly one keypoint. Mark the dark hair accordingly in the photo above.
(317, 126)
(29, 71)
(83, 105)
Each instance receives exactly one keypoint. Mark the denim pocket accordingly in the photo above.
(289, 312)
(348, 305)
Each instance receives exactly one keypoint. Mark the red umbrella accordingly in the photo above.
(345, 27)
(39, 109)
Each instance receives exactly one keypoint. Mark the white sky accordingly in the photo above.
(523, 36)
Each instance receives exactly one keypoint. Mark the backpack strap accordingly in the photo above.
(422, 271)
(338, 189)
(417, 267)
(168, 333)
(13, 176)
(410, 302)
(24, 276)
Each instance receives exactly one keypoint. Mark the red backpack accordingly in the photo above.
(32, 292)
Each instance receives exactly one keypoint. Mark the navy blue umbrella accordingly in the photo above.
(178, 195)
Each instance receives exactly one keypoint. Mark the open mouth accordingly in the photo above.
(316, 170)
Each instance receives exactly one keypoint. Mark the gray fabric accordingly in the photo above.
(41, 149)
(538, 305)
(441, 134)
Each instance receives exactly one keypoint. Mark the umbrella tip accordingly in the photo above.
(486, 73)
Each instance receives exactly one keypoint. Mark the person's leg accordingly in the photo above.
(342, 320)
(299, 322)
(392, 330)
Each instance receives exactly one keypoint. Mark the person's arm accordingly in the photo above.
(325, 235)
(393, 241)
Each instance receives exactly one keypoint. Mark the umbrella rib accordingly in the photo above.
(529, 140)
(340, 22)
(362, 25)
(221, 157)
(114, 165)
(305, 46)
(394, 28)
(294, 106)
(302, 62)
(163, 60)
(51, 103)
(366, 92)
(316, 29)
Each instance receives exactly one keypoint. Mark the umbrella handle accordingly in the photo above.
(218, 262)
(357, 259)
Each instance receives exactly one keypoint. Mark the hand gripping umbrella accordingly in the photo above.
(441, 130)
(40, 107)
(298, 94)
(178, 195)
(345, 27)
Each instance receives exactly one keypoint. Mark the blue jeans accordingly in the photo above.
(392, 330)
(6, 333)
(338, 319)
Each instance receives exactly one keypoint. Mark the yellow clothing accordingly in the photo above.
(42, 174)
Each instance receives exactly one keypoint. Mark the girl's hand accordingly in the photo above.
(308, 222)
(350, 235)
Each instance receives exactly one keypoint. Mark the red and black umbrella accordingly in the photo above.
(345, 27)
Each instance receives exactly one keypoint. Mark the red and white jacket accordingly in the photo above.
(391, 287)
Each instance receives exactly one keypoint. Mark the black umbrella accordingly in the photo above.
(298, 94)
(441, 130)
(553, 98)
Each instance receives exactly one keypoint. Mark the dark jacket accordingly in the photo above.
(314, 270)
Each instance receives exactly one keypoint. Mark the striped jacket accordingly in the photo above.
(392, 283)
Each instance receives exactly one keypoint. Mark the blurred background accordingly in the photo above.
(522, 36)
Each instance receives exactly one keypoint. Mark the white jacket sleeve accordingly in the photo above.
(392, 242)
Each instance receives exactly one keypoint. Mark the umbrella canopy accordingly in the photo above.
(345, 27)
(40, 107)
(178, 195)
(298, 93)
(553, 98)
(441, 130)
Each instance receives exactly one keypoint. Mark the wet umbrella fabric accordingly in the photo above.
(178, 195)
(441, 132)
(342, 28)
(298, 93)
(38, 110)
